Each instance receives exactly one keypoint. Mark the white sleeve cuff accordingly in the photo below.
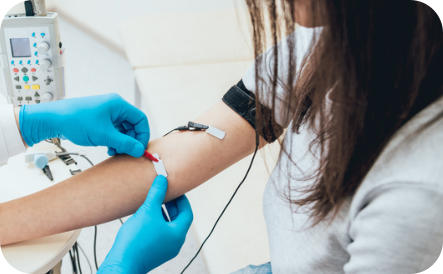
(10, 140)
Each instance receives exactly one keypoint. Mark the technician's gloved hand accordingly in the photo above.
(147, 240)
(105, 120)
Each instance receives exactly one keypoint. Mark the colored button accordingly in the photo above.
(12, 62)
(27, 87)
(29, 62)
(36, 53)
(26, 78)
(15, 70)
(34, 45)
(43, 34)
(35, 87)
(33, 34)
(37, 62)
(21, 62)
(33, 70)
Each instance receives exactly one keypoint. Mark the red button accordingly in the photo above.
(33, 70)
(15, 70)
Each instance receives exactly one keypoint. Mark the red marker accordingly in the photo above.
(150, 156)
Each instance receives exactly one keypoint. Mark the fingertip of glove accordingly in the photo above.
(161, 179)
(137, 150)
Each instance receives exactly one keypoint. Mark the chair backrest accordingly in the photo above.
(178, 38)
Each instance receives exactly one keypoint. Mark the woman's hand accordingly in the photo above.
(105, 120)
(147, 240)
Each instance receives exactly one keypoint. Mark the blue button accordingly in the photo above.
(12, 62)
(35, 45)
(37, 62)
(29, 62)
(43, 34)
(21, 62)
(36, 53)
(26, 78)
(33, 34)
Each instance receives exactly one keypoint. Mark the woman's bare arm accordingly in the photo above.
(118, 186)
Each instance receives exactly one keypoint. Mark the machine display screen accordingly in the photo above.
(20, 47)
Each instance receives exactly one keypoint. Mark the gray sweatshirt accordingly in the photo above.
(393, 223)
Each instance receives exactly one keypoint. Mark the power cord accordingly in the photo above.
(257, 144)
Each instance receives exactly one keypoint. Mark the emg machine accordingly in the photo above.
(32, 67)
(31, 56)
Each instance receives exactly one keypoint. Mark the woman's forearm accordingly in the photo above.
(118, 186)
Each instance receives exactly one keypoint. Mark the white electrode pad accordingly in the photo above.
(159, 166)
(218, 133)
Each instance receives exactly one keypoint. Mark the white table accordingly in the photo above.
(19, 179)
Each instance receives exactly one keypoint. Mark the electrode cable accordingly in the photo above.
(257, 145)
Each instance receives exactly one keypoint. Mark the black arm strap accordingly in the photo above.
(242, 101)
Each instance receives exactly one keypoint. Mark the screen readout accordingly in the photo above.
(20, 47)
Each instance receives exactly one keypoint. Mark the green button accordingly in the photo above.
(25, 78)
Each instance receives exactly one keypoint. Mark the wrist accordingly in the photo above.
(17, 121)
(113, 268)
(37, 123)
(110, 265)
(121, 259)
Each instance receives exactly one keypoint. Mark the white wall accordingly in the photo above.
(104, 16)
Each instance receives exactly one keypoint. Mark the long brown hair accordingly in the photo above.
(378, 62)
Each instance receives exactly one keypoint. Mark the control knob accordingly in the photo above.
(43, 47)
(47, 96)
(45, 64)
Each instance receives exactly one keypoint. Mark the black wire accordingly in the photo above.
(77, 255)
(95, 227)
(74, 266)
(86, 257)
(177, 128)
(227, 204)
(95, 247)
(121, 221)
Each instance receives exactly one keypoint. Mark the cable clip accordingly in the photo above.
(191, 126)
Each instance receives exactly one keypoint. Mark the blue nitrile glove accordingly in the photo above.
(105, 120)
(147, 240)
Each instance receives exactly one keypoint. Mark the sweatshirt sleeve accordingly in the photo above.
(398, 229)
(10, 140)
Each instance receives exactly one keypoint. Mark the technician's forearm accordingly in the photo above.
(117, 187)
